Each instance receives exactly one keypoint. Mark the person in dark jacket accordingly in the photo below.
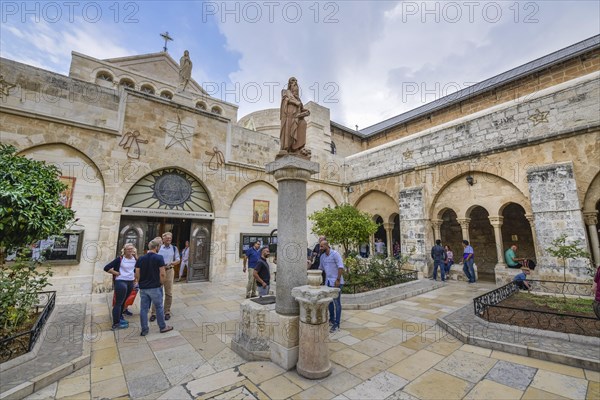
(123, 271)
(439, 257)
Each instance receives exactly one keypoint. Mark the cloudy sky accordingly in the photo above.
(365, 60)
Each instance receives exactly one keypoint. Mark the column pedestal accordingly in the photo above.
(313, 355)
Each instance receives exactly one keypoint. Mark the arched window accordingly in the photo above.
(201, 105)
(147, 89)
(104, 76)
(333, 148)
(166, 94)
(216, 110)
(127, 83)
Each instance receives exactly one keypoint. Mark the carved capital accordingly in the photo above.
(437, 223)
(530, 218)
(464, 222)
(388, 226)
(496, 221)
(591, 218)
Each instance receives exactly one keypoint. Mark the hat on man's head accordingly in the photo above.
(525, 269)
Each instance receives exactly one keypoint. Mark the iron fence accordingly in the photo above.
(23, 342)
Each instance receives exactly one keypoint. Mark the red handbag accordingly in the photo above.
(129, 300)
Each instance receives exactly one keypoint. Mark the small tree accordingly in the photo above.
(30, 210)
(30, 207)
(343, 225)
(563, 251)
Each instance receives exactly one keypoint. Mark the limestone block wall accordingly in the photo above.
(88, 195)
(556, 209)
(565, 108)
(413, 226)
(58, 98)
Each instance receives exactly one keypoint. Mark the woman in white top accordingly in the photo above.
(123, 271)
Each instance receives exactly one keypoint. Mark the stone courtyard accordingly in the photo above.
(396, 351)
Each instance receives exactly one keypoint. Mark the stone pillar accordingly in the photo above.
(437, 224)
(388, 233)
(591, 220)
(557, 211)
(313, 357)
(414, 226)
(530, 218)
(291, 173)
(464, 227)
(497, 224)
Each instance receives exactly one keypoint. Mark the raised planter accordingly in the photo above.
(361, 287)
(23, 342)
(489, 307)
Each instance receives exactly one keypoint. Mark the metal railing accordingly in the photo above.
(23, 342)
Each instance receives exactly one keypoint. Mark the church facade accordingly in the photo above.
(513, 159)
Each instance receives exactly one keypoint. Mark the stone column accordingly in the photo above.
(464, 226)
(291, 173)
(591, 220)
(313, 357)
(529, 218)
(497, 224)
(388, 233)
(437, 224)
(414, 226)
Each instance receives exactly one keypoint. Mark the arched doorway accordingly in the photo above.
(451, 233)
(481, 234)
(517, 230)
(170, 200)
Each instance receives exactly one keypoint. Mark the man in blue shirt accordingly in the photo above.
(170, 254)
(251, 258)
(331, 262)
(468, 262)
(521, 279)
(150, 274)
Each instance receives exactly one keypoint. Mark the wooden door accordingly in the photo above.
(199, 251)
(133, 231)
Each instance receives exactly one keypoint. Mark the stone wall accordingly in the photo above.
(556, 209)
(572, 106)
(525, 86)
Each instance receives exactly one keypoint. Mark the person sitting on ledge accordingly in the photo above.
(510, 256)
(521, 279)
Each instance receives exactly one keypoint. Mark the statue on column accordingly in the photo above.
(293, 124)
(185, 70)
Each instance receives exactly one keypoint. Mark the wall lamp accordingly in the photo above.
(470, 180)
(349, 189)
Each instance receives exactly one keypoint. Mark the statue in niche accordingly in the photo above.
(293, 124)
(185, 70)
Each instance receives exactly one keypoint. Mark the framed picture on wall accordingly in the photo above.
(66, 197)
(260, 212)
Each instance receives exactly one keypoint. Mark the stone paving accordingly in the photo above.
(396, 351)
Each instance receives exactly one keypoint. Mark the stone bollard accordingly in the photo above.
(313, 357)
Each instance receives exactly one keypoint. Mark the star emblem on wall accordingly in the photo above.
(5, 87)
(178, 134)
(539, 117)
(407, 154)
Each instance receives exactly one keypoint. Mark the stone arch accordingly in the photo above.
(127, 82)
(481, 237)
(155, 190)
(166, 94)
(591, 215)
(376, 202)
(316, 201)
(216, 110)
(458, 195)
(450, 230)
(88, 194)
(147, 88)
(516, 229)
